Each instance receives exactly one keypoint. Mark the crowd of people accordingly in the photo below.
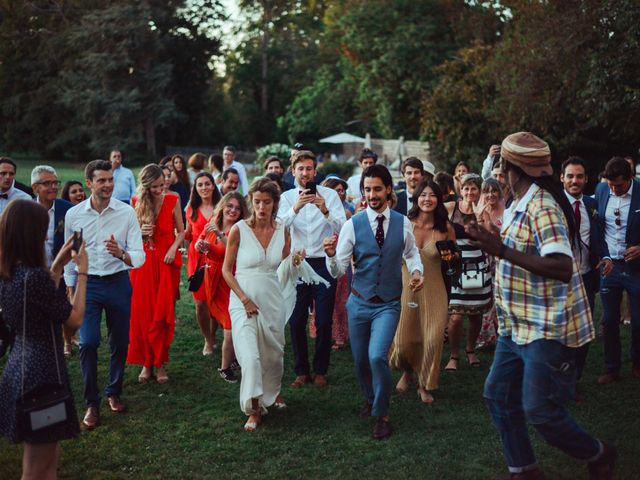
(391, 270)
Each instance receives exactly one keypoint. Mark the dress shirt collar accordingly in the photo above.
(572, 199)
(624, 195)
(114, 204)
(373, 215)
(53, 205)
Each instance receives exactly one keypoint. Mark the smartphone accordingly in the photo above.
(311, 186)
(77, 240)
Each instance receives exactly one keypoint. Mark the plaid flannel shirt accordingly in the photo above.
(531, 307)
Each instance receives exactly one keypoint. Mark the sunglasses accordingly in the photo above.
(618, 221)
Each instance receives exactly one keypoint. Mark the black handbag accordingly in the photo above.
(197, 277)
(47, 405)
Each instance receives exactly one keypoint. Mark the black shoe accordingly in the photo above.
(382, 429)
(234, 365)
(602, 468)
(227, 375)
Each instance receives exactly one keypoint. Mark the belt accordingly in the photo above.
(112, 276)
(375, 299)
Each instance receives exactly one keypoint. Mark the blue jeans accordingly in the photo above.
(371, 330)
(611, 289)
(324, 299)
(113, 295)
(531, 384)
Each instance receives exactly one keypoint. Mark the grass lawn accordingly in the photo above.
(192, 426)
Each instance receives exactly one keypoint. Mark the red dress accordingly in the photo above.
(197, 226)
(154, 287)
(216, 289)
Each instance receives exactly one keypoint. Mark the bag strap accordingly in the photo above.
(24, 330)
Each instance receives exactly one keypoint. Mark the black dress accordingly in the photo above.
(45, 304)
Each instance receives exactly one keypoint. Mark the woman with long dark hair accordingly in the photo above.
(204, 198)
(417, 345)
(73, 192)
(181, 184)
(35, 308)
(155, 284)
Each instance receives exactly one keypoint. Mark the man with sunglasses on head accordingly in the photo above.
(619, 216)
(8, 190)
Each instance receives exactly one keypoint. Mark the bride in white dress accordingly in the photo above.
(257, 306)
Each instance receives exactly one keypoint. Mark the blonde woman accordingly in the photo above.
(155, 284)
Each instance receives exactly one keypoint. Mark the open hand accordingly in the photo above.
(487, 238)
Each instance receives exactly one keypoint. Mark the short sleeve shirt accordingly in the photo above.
(531, 307)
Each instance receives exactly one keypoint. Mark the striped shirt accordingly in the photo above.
(531, 307)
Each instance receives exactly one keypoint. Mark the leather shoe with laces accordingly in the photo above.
(300, 381)
(320, 380)
(382, 429)
(115, 404)
(91, 419)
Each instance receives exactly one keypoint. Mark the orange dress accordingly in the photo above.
(215, 286)
(197, 226)
(154, 288)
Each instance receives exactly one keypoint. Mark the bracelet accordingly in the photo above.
(245, 301)
(503, 250)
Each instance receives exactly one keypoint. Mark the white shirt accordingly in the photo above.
(51, 231)
(309, 227)
(338, 264)
(12, 194)
(581, 254)
(614, 234)
(119, 220)
(243, 188)
(124, 184)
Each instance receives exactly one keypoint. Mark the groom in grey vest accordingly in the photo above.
(377, 239)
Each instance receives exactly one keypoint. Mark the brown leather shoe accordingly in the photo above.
(602, 468)
(382, 429)
(366, 410)
(300, 381)
(320, 380)
(115, 404)
(608, 378)
(91, 419)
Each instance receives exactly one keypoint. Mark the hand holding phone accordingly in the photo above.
(77, 240)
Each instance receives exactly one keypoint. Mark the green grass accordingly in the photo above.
(191, 427)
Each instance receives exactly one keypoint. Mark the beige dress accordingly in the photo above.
(418, 342)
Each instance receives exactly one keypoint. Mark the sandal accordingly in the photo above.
(403, 384)
(161, 376)
(337, 346)
(67, 350)
(279, 403)
(425, 396)
(252, 425)
(452, 366)
(476, 362)
(144, 376)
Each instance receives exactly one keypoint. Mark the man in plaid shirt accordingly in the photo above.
(543, 316)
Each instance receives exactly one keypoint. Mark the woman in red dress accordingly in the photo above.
(154, 283)
(212, 242)
(204, 197)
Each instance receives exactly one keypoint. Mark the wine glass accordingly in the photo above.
(149, 236)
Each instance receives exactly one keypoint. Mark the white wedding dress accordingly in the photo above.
(259, 340)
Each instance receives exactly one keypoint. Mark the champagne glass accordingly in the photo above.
(413, 299)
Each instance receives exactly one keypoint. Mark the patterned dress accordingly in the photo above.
(42, 351)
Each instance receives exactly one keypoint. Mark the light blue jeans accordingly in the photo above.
(372, 327)
(531, 384)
